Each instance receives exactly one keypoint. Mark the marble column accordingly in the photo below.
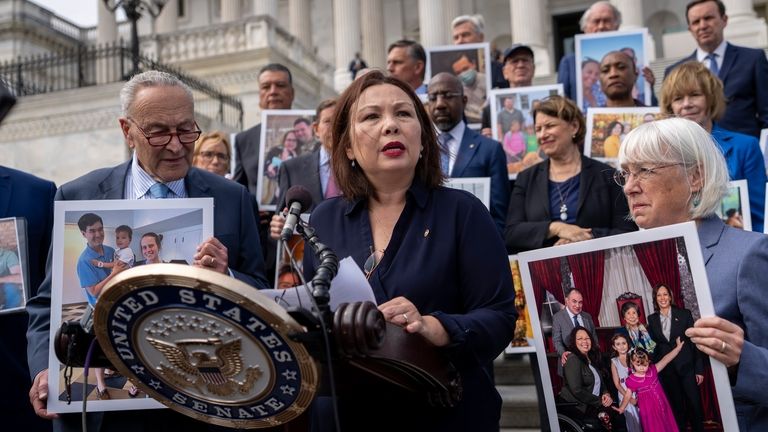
(106, 29)
(299, 22)
(346, 38)
(432, 23)
(528, 28)
(167, 21)
(631, 13)
(374, 49)
(738, 10)
(265, 7)
(451, 9)
(230, 10)
(744, 27)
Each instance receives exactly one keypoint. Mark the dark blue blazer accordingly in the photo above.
(483, 157)
(735, 261)
(234, 225)
(743, 73)
(745, 162)
(566, 75)
(23, 195)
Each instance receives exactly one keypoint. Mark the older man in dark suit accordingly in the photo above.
(743, 71)
(159, 125)
(466, 152)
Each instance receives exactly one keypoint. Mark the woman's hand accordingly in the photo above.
(276, 225)
(606, 400)
(718, 338)
(568, 232)
(402, 312)
(212, 254)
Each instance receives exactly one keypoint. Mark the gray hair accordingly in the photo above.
(151, 78)
(681, 141)
(585, 16)
(476, 20)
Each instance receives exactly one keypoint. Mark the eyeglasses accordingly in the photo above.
(445, 95)
(209, 155)
(163, 138)
(621, 177)
(372, 262)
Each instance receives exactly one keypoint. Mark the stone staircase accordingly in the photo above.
(514, 381)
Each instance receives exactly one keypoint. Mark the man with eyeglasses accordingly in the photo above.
(518, 70)
(466, 153)
(158, 124)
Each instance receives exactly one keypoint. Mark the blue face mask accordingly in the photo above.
(468, 77)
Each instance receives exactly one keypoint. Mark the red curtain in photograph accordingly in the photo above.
(545, 275)
(659, 262)
(588, 271)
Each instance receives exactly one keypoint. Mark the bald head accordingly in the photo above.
(446, 101)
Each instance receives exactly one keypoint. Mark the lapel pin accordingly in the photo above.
(472, 145)
(426, 233)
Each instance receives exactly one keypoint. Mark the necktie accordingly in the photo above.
(331, 189)
(712, 57)
(445, 153)
(576, 321)
(159, 191)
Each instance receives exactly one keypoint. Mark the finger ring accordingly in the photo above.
(406, 318)
(723, 347)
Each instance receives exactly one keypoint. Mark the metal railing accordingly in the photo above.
(86, 66)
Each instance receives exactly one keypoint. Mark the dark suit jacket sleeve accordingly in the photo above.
(284, 182)
(761, 92)
(248, 266)
(566, 75)
(558, 332)
(240, 175)
(522, 232)
(698, 360)
(499, 187)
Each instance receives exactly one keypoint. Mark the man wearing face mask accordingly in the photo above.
(474, 86)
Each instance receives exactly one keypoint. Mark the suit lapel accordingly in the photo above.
(5, 192)
(196, 186)
(710, 231)
(467, 150)
(729, 59)
(113, 187)
(540, 187)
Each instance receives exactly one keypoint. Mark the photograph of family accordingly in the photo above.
(607, 127)
(93, 242)
(286, 134)
(609, 318)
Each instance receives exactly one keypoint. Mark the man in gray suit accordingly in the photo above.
(158, 124)
(564, 321)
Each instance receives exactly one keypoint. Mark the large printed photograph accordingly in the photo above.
(609, 318)
(14, 284)
(93, 241)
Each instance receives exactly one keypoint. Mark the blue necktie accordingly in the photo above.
(712, 57)
(159, 191)
(445, 154)
(576, 321)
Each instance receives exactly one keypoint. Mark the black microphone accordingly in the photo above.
(299, 200)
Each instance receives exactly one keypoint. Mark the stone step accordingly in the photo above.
(520, 407)
(513, 369)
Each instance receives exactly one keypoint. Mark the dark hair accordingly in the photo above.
(277, 67)
(629, 305)
(302, 120)
(158, 238)
(353, 181)
(574, 290)
(324, 105)
(126, 229)
(615, 353)
(593, 355)
(589, 60)
(87, 220)
(720, 7)
(567, 111)
(612, 125)
(730, 212)
(638, 354)
(656, 290)
(415, 50)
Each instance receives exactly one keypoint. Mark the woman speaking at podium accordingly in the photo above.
(432, 255)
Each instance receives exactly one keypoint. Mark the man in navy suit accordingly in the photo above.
(743, 71)
(469, 153)
(158, 124)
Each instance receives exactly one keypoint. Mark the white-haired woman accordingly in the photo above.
(672, 172)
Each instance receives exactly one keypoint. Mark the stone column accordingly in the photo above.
(631, 13)
(451, 9)
(299, 22)
(167, 21)
(106, 29)
(374, 51)
(346, 38)
(744, 27)
(528, 28)
(230, 10)
(265, 7)
(739, 10)
(432, 23)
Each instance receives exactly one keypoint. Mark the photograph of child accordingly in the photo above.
(609, 318)
(512, 123)
(590, 50)
(606, 128)
(470, 63)
(286, 135)
(93, 242)
(734, 208)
